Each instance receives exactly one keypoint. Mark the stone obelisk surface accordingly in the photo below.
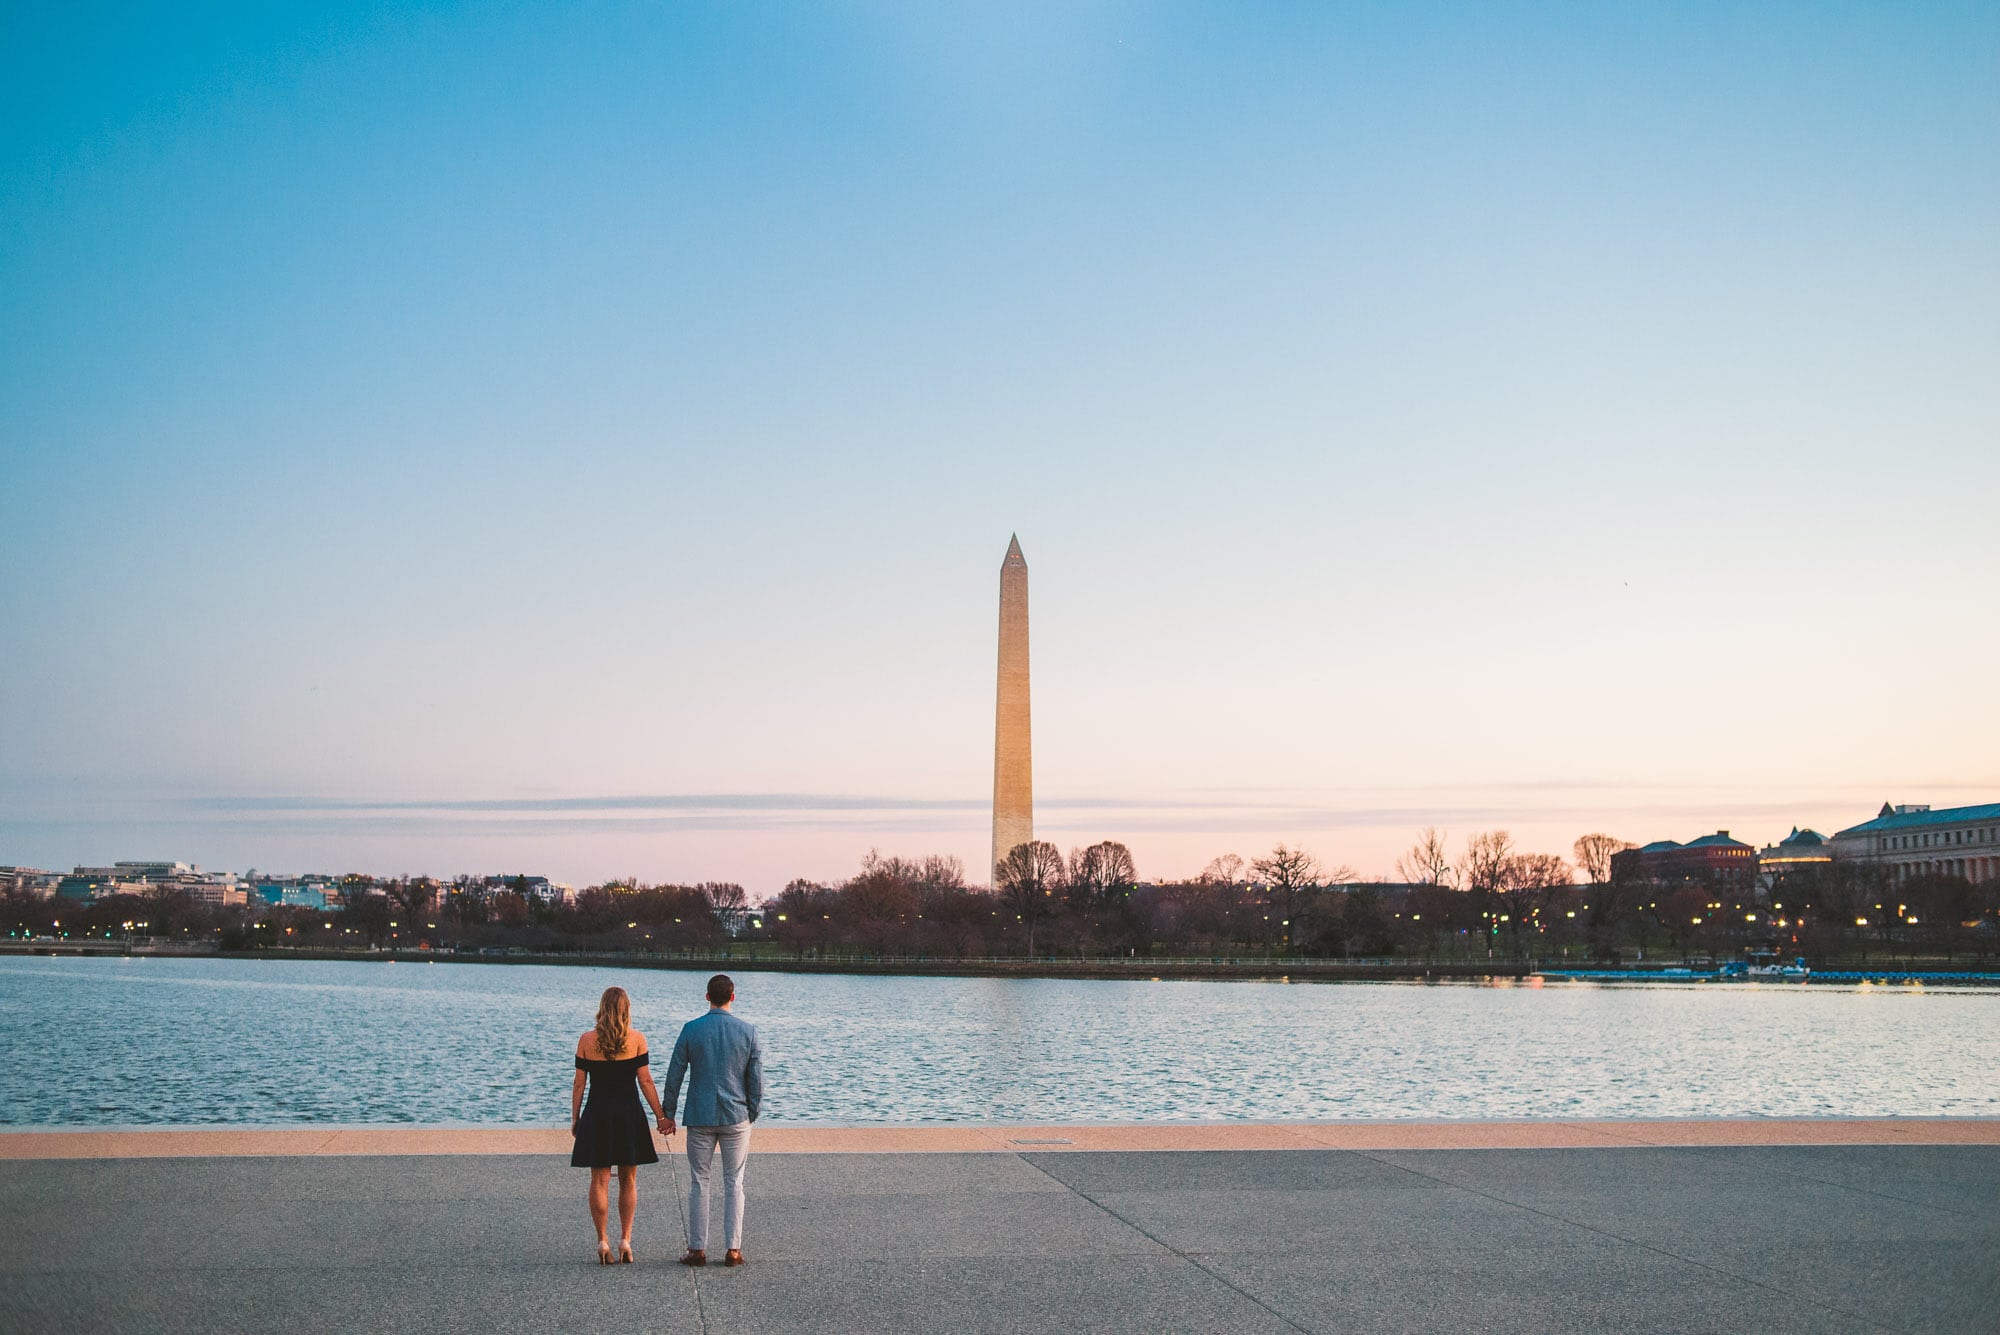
(1013, 767)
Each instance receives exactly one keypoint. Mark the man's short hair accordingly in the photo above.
(721, 990)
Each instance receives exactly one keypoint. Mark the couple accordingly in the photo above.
(724, 1064)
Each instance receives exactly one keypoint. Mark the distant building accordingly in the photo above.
(29, 881)
(293, 892)
(98, 883)
(155, 871)
(1714, 861)
(1801, 850)
(528, 887)
(203, 887)
(1913, 840)
(138, 878)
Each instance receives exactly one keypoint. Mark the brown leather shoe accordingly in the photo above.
(694, 1257)
(732, 1257)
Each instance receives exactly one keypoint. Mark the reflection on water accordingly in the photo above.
(143, 1041)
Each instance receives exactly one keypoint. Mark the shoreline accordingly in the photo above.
(392, 1141)
(1216, 969)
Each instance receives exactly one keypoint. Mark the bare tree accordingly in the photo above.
(1483, 873)
(1224, 870)
(1593, 856)
(412, 896)
(1289, 872)
(730, 904)
(1528, 884)
(1030, 875)
(1605, 906)
(942, 872)
(934, 872)
(1427, 863)
(1103, 873)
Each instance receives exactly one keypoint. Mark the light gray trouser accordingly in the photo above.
(703, 1141)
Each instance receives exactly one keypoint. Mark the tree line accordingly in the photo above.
(1485, 899)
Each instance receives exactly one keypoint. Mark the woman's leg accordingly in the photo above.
(628, 1200)
(600, 1201)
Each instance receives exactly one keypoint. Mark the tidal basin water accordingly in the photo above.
(133, 1042)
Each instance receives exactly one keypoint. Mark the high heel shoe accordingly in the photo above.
(625, 1252)
(604, 1253)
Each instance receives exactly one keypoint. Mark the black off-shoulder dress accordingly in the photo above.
(612, 1130)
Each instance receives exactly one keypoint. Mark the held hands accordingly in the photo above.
(666, 1125)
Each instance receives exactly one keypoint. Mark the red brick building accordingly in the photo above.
(1714, 861)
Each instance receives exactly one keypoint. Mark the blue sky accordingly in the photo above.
(1554, 417)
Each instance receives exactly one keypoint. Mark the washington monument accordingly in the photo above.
(1013, 766)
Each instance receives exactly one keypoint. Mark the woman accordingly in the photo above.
(610, 1130)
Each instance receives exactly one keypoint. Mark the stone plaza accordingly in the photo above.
(1818, 1227)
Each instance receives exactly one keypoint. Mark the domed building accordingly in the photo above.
(1801, 850)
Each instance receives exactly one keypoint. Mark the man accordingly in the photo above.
(725, 1065)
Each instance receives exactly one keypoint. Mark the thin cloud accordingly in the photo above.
(703, 802)
(639, 802)
(683, 813)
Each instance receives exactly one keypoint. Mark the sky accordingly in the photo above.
(582, 440)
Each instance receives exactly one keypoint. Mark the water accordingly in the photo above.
(251, 1042)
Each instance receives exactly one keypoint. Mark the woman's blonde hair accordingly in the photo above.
(614, 1023)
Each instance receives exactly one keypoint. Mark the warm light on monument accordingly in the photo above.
(1013, 768)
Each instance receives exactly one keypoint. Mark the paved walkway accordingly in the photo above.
(1402, 1135)
(1840, 1237)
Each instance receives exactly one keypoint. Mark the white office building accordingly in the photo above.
(1917, 841)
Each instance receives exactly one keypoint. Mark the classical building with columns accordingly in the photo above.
(1914, 840)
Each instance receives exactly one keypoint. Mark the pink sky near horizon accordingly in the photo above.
(763, 849)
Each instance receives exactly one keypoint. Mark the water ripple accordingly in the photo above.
(245, 1042)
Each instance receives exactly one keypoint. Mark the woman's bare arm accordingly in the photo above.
(648, 1088)
(576, 1088)
(652, 1094)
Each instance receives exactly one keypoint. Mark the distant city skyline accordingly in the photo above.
(505, 439)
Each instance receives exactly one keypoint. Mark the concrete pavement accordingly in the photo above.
(1763, 1237)
(306, 1141)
